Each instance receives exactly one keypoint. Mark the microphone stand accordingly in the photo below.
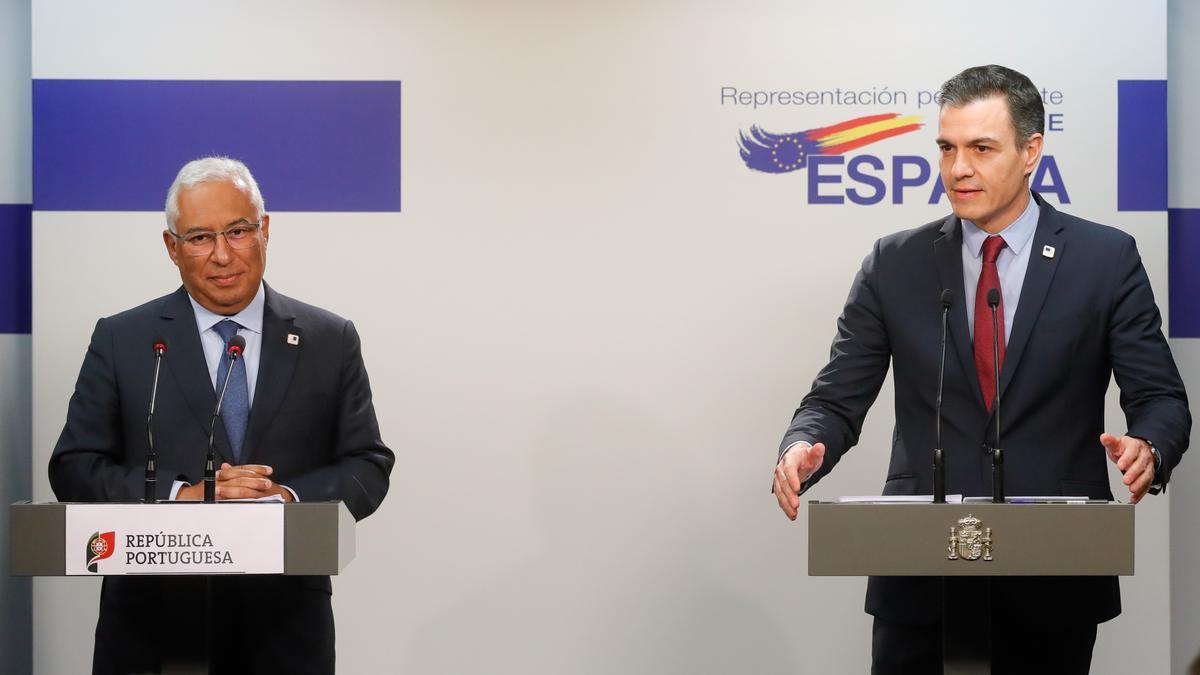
(939, 458)
(210, 471)
(997, 453)
(150, 493)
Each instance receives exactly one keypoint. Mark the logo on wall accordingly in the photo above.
(100, 546)
(781, 153)
(865, 179)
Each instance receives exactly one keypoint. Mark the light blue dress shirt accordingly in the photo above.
(251, 320)
(1011, 264)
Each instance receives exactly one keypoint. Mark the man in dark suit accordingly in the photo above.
(1075, 308)
(297, 422)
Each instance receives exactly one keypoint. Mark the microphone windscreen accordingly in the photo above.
(160, 344)
(237, 343)
(947, 297)
(993, 298)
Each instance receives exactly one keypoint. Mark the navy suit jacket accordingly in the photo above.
(312, 420)
(1085, 313)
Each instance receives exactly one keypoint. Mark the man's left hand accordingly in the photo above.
(1135, 460)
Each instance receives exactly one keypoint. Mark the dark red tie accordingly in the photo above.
(989, 278)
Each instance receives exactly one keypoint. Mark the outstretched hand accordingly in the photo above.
(794, 469)
(1135, 460)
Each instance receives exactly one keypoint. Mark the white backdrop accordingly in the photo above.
(589, 326)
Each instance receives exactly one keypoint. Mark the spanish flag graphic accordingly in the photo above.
(781, 153)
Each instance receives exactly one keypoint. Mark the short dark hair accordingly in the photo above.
(1024, 102)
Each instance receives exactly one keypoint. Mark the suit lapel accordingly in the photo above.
(947, 250)
(188, 368)
(281, 345)
(1038, 276)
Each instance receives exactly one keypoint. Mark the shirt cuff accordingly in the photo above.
(295, 497)
(789, 448)
(804, 483)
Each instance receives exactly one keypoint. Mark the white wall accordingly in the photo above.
(15, 57)
(590, 325)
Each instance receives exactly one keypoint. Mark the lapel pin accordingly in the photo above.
(293, 339)
(1047, 251)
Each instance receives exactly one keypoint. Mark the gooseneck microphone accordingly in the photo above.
(993, 301)
(150, 494)
(939, 457)
(234, 348)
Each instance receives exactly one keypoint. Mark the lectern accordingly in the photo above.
(1023, 537)
(299, 538)
(181, 538)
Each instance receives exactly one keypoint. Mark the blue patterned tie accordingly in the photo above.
(235, 409)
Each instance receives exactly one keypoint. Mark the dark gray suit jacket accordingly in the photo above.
(312, 420)
(1084, 314)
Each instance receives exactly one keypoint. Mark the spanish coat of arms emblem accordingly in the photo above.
(970, 540)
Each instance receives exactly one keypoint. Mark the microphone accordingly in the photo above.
(234, 348)
(150, 494)
(939, 458)
(993, 301)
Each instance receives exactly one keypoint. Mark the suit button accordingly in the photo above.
(987, 449)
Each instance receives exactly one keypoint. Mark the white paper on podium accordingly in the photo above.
(896, 499)
(1020, 499)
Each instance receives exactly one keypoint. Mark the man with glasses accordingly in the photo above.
(297, 423)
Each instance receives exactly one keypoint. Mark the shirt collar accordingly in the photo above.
(250, 318)
(1016, 235)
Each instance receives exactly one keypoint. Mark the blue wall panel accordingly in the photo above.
(1183, 277)
(115, 145)
(16, 280)
(1141, 145)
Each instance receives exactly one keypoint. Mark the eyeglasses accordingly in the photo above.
(240, 235)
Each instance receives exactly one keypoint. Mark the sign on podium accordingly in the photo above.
(56, 539)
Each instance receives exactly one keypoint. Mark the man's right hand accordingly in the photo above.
(796, 466)
(245, 481)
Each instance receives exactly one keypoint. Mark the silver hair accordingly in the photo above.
(212, 169)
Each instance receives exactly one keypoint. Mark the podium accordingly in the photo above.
(1068, 537)
(191, 539)
(298, 538)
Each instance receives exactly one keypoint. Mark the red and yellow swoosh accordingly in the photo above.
(855, 133)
